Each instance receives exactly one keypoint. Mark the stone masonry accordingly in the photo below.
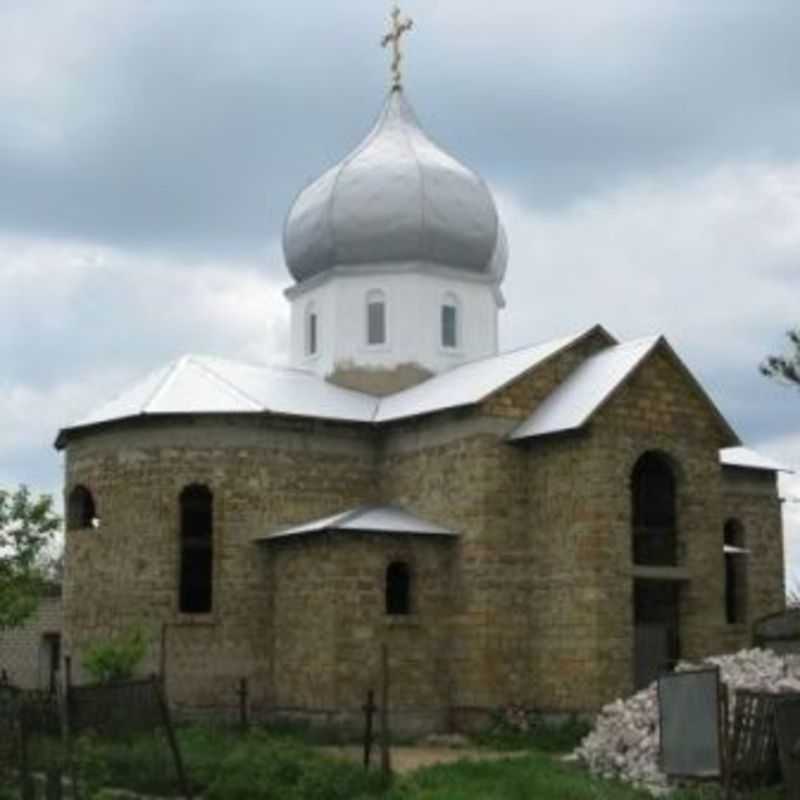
(532, 603)
(26, 652)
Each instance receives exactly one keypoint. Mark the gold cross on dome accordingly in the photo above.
(398, 29)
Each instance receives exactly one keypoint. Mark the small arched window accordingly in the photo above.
(398, 588)
(197, 550)
(81, 511)
(735, 572)
(450, 322)
(311, 324)
(654, 517)
(376, 317)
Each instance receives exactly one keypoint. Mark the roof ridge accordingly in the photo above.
(227, 383)
(172, 369)
(252, 365)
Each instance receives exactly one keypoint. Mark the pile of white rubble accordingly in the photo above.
(624, 742)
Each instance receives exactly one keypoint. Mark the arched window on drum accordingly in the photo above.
(81, 509)
(195, 591)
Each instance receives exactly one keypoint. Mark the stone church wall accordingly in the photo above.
(330, 622)
(581, 521)
(125, 573)
(467, 478)
(532, 604)
(751, 498)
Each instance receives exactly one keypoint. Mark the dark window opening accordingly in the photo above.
(654, 517)
(735, 573)
(449, 326)
(81, 511)
(196, 563)
(376, 322)
(398, 588)
(52, 648)
(312, 334)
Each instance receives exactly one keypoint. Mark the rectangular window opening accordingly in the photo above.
(312, 334)
(449, 336)
(376, 323)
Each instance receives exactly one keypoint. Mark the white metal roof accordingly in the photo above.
(469, 383)
(575, 400)
(749, 459)
(202, 384)
(367, 519)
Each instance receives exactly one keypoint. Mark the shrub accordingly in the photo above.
(117, 658)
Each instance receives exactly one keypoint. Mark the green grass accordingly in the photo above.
(264, 766)
(536, 775)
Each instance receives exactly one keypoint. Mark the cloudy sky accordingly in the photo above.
(645, 156)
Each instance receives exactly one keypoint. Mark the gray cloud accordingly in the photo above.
(645, 155)
(190, 128)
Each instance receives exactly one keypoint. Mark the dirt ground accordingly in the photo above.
(410, 757)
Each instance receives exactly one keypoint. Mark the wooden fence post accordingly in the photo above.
(173, 742)
(162, 656)
(242, 692)
(386, 758)
(369, 709)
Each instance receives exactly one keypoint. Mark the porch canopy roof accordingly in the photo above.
(364, 519)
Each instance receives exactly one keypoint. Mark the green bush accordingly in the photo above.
(117, 658)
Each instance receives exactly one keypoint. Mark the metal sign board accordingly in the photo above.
(787, 729)
(691, 722)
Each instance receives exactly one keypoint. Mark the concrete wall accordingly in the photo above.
(413, 298)
(24, 655)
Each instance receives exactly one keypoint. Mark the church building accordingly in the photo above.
(549, 526)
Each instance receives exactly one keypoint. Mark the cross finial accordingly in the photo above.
(398, 29)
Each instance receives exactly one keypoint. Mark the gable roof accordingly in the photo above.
(583, 392)
(207, 385)
(592, 384)
(365, 519)
(474, 381)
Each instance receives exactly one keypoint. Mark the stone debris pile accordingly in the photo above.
(624, 743)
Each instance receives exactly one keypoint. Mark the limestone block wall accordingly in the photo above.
(580, 611)
(125, 573)
(580, 518)
(751, 498)
(23, 653)
(330, 621)
(533, 603)
(463, 476)
(457, 469)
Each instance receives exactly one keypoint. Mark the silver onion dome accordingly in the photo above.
(397, 197)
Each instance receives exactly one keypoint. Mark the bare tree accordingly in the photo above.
(785, 368)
